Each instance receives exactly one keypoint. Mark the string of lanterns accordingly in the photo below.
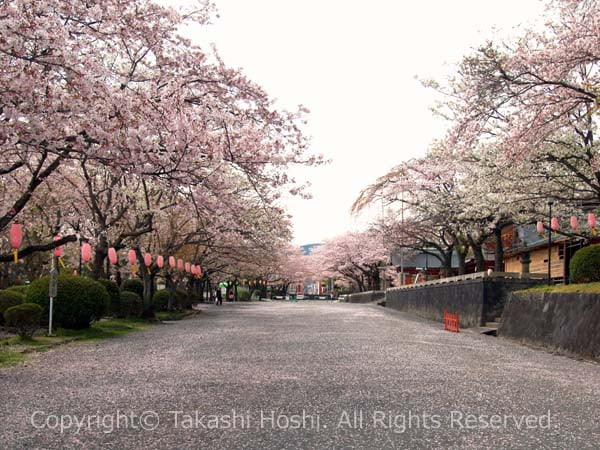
(573, 222)
(16, 239)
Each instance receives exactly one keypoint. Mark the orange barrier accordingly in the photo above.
(451, 322)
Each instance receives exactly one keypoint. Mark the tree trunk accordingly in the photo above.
(171, 287)
(100, 254)
(462, 264)
(148, 281)
(447, 264)
(190, 289)
(499, 251)
(361, 284)
(201, 283)
(478, 254)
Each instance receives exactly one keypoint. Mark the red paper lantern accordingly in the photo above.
(172, 262)
(16, 237)
(160, 262)
(86, 252)
(57, 250)
(574, 223)
(554, 223)
(180, 264)
(112, 256)
(540, 227)
(188, 267)
(592, 220)
(131, 257)
(148, 259)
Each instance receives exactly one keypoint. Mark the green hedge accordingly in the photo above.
(182, 300)
(244, 295)
(20, 288)
(24, 318)
(131, 304)
(133, 285)
(115, 295)
(80, 300)
(161, 300)
(8, 299)
(585, 265)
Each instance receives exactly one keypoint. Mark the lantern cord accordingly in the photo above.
(16, 254)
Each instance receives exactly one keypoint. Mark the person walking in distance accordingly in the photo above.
(219, 297)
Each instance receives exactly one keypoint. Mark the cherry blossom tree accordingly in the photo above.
(108, 92)
(139, 139)
(355, 256)
(536, 99)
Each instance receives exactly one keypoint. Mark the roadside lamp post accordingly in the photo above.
(550, 223)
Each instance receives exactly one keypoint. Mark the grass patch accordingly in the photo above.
(37, 341)
(174, 315)
(582, 288)
(10, 358)
(106, 329)
(13, 349)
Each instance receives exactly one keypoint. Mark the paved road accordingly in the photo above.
(243, 375)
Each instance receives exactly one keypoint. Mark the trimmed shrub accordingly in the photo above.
(115, 295)
(585, 265)
(79, 302)
(9, 299)
(181, 299)
(131, 305)
(244, 295)
(24, 318)
(133, 285)
(194, 299)
(161, 300)
(20, 288)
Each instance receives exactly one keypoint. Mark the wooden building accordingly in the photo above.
(527, 242)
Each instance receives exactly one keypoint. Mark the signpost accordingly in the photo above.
(52, 291)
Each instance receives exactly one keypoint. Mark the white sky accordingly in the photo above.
(354, 65)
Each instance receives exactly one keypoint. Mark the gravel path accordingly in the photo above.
(300, 375)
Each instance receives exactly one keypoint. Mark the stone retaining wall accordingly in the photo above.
(558, 321)
(366, 297)
(477, 301)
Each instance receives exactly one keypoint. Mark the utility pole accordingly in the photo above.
(550, 202)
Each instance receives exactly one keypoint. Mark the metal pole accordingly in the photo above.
(52, 291)
(549, 242)
(402, 248)
(80, 267)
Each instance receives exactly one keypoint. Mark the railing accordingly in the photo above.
(474, 276)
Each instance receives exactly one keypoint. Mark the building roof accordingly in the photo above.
(424, 260)
(527, 238)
